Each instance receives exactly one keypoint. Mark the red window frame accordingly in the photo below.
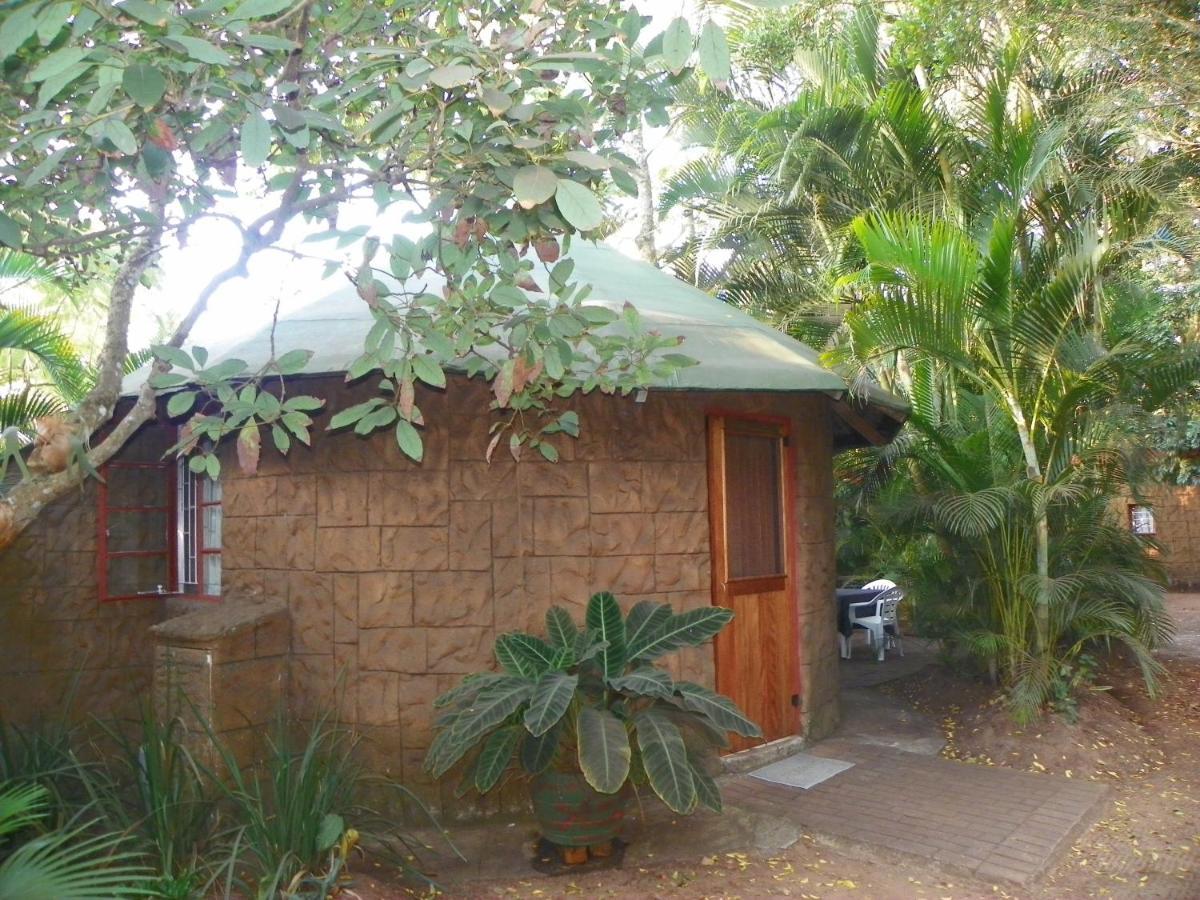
(104, 554)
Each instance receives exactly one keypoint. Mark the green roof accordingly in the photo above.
(736, 352)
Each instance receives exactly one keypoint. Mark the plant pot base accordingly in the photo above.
(550, 858)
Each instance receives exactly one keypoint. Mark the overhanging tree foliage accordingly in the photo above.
(125, 123)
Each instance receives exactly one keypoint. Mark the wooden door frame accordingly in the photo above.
(715, 419)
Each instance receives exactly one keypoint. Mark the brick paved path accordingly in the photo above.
(992, 823)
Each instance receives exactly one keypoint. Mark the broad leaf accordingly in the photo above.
(255, 139)
(470, 686)
(533, 185)
(664, 757)
(648, 681)
(332, 826)
(524, 655)
(497, 753)
(551, 697)
(537, 751)
(646, 621)
(707, 791)
(489, 709)
(578, 204)
(144, 84)
(409, 440)
(604, 751)
(560, 628)
(714, 53)
(604, 621)
(723, 711)
(677, 44)
(684, 630)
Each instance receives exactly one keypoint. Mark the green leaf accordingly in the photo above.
(199, 49)
(146, 12)
(427, 369)
(491, 707)
(533, 185)
(496, 101)
(144, 84)
(665, 760)
(162, 380)
(331, 829)
(497, 753)
(56, 62)
(604, 751)
(707, 791)
(293, 362)
(352, 414)
(283, 443)
(180, 403)
(537, 751)
(256, 9)
(175, 357)
(51, 20)
(471, 685)
(646, 620)
(121, 137)
(684, 630)
(578, 204)
(551, 697)
(625, 181)
(524, 655)
(212, 466)
(648, 682)
(677, 44)
(714, 53)
(723, 711)
(560, 628)
(604, 621)
(18, 26)
(409, 440)
(255, 139)
(10, 232)
(448, 77)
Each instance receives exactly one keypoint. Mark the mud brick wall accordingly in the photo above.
(399, 576)
(56, 636)
(1177, 518)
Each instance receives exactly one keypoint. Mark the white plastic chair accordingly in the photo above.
(878, 617)
(879, 584)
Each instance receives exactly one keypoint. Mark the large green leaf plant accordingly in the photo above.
(594, 700)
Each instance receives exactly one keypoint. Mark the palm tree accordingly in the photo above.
(1003, 312)
(43, 373)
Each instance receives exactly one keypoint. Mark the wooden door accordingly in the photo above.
(757, 655)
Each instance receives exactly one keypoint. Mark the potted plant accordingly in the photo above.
(585, 714)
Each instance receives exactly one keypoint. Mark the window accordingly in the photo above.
(754, 500)
(159, 525)
(1141, 520)
(197, 533)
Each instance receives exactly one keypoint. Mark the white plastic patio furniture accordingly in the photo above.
(878, 617)
(879, 584)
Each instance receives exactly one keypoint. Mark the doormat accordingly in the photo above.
(802, 770)
(548, 860)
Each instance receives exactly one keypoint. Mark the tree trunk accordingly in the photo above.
(649, 221)
(1033, 471)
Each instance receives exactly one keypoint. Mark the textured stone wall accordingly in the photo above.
(1177, 518)
(399, 576)
(228, 664)
(55, 636)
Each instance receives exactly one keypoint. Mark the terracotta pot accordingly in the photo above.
(571, 813)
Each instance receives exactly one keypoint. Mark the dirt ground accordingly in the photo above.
(1146, 845)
